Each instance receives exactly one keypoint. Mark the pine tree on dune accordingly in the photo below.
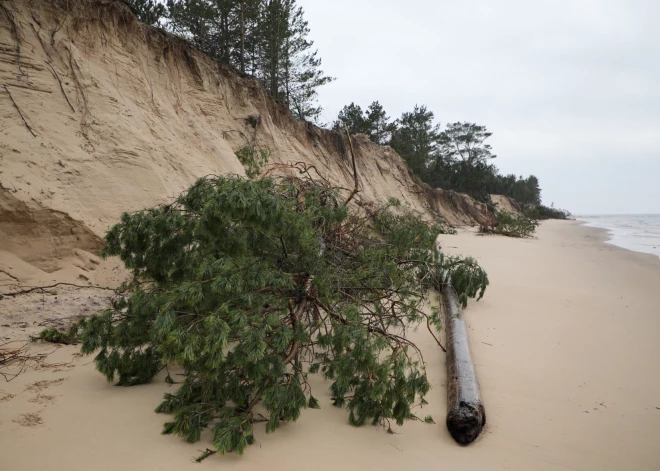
(265, 38)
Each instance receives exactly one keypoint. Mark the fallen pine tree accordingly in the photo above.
(252, 285)
(511, 225)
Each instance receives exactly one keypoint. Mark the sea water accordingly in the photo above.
(638, 232)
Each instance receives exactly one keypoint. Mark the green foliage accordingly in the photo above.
(252, 285)
(461, 161)
(462, 164)
(353, 117)
(380, 127)
(456, 158)
(68, 337)
(464, 274)
(300, 67)
(465, 142)
(511, 225)
(150, 12)
(265, 38)
(253, 159)
(415, 138)
(374, 122)
(541, 212)
(523, 190)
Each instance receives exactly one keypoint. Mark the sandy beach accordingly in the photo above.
(566, 346)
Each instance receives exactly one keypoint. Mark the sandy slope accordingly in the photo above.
(566, 348)
(122, 117)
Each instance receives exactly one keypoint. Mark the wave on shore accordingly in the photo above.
(638, 232)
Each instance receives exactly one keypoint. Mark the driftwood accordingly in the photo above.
(466, 415)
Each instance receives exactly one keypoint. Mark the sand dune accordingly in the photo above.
(565, 345)
(126, 117)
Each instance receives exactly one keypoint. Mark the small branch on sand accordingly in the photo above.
(37, 288)
(208, 452)
(19, 112)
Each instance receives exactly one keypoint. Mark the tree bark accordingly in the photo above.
(466, 415)
(243, 36)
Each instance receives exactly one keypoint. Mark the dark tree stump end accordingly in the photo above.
(465, 422)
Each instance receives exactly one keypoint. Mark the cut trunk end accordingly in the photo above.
(465, 421)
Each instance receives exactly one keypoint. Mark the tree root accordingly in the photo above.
(41, 288)
(19, 112)
(61, 87)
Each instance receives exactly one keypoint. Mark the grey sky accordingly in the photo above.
(570, 88)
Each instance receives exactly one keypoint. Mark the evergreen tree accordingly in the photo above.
(378, 124)
(416, 139)
(353, 117)
(462, 164)
(147, 11)
(465, 142)
(251, 286)
(462, 161)
(196, 20)
(302, 74)
(252, 39)
(374, 122)
(271, 34)
(266, 38)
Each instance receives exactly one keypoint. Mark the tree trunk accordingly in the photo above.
(286, 71)
(242, 37)
(466, 415)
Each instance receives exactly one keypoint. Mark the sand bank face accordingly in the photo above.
(566, 346)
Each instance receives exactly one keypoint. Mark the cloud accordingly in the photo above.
(569, 87)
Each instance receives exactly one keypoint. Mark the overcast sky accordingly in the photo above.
(570, 88)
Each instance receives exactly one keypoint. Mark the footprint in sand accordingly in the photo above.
(42, 385)
(43, 399)
(5, 396)
(30, 419)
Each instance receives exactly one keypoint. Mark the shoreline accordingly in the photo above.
(604, 236)
(622, 241)
(565, 343)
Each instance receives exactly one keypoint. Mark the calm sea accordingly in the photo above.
(638, 232)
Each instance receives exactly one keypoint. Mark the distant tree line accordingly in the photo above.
(263, 38)
(456, 157)
(269, 40)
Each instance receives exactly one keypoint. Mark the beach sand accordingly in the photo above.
(566, 345)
